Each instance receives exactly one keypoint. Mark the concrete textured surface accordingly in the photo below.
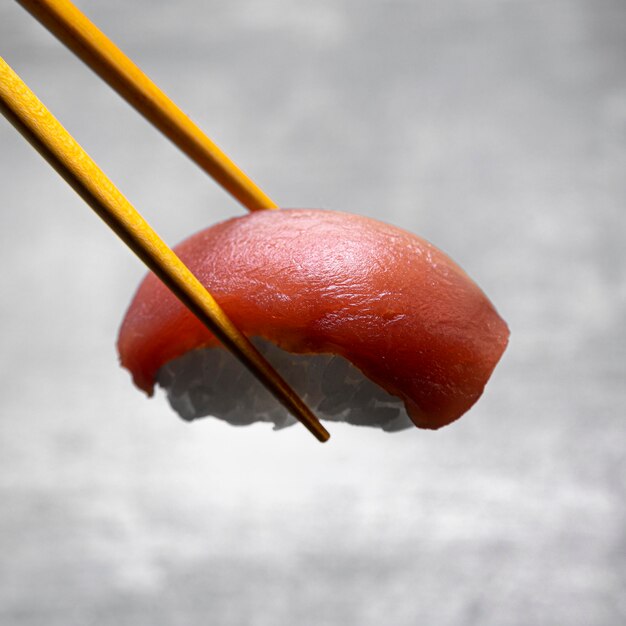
(497, 130)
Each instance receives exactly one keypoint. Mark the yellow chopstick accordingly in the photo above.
(31, 118)
(91, 45)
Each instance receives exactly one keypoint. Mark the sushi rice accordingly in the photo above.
(212, 382)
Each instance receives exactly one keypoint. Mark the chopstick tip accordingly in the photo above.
(321, 433)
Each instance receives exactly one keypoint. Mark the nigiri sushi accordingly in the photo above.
(371, 324)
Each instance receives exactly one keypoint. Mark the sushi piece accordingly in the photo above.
(369, 323)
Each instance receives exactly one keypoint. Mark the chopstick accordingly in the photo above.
(95, 49)
(31, 118)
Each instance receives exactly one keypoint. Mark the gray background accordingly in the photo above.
(494, 128)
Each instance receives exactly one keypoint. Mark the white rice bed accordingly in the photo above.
(212, 382)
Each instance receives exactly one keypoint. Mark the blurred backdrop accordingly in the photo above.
(494, 128)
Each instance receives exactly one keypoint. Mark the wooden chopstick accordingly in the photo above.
(31, 118)
(91, 45)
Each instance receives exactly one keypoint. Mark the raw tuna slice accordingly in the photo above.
(313, 281)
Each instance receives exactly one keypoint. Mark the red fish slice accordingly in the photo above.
(314, 281)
